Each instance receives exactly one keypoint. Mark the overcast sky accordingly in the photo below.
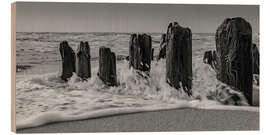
(92, 17)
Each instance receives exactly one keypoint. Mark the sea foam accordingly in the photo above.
(42, 99)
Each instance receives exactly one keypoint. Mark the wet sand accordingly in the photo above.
(167, 120)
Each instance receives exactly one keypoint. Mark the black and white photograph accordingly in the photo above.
(135, 67)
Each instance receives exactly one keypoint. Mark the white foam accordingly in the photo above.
(42, 99)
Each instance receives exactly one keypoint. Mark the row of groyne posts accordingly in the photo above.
(233, 59)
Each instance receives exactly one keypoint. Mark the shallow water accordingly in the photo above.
(43, 98)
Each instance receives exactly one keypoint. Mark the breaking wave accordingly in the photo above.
(42, 99)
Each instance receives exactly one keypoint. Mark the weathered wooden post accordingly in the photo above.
(140, 52)
(207, 57)
(214, 57)
(107, 66)
(210, 58)
(152, 52)
(83, 62)
(179, 57)
(234, 56)
(255, 59)
(68, 60)
(163, 43)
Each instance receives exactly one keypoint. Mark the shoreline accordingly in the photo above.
(184, 119)
(82, 125)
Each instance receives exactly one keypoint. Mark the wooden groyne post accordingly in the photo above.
(234, 55)
(210, 58)
(152, 52)
(255, 59)
(179, 57)
(162, 49)
(107, 66)
(83, 61)
(68, 60)
(140, 51)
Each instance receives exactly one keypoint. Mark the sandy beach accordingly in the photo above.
(168, 120)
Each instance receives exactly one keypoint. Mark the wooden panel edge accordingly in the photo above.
(13, 67)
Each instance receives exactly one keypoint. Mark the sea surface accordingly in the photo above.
(41, 96)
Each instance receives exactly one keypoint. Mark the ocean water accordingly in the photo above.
(41, 96)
